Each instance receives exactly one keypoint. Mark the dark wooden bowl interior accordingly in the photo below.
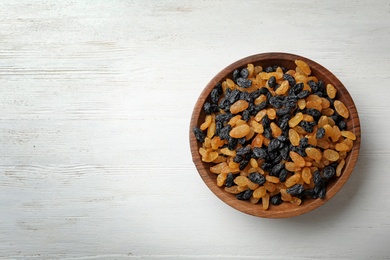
(284, 210)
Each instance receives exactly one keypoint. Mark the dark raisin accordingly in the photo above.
(243, 150)
(313, 86)
(290, 79)
(207, 108)
(223, 118)
(256, 177)
(245, 195)
(259, 153)
(272, 82)
(244, 83)
(317, 179)
(237, 158)
(283, 175)
(320, 133)
(277, 159)
(284, 152)
(245, 115)
(224, 133)
(214, 96)
(314, 113)
(296, 89)
(236, 75)
(303, 94)
(276, 102)
(328, 172)
(304, 142)
(267, 133)
(320, 86)
(266, 166)
(295, 190)
(283, 139)
(283, 122)
(243, 164)
(199, 134)
(322, 192)
(244, 73)
(233, 96)
(308, 193)
(218, 87)
(232, 143)
(276, 199)
(264, 90)
(241, 140)
(301, 151)
(218, 128)
(265, 121)
(229, 180)
(245, 96)
(307, 126)
(276, 169)
(273, 145)
(283, 111)
(269, 69)
(342, 125)
(320, 94)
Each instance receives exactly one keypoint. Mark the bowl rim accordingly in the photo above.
(310, 204)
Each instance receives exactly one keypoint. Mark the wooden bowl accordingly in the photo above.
(284, 210)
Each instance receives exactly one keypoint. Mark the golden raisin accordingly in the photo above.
(239, 106)
(241, 180)
(295, 120)
(303, 66)
(331, 155)
(331, 91)
(306, 175)
(239, 131)
(276, 131)
(341, 108)
(340, 167)
(259, 192)
(294, 137)
(297, 159)
(313, 153)
(283, 88)
(349, 135)
(292, 180)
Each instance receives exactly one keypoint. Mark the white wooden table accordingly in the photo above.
(95, 104)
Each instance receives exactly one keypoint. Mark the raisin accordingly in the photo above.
(214, 96)
(322, 192)
(313, 86)
(303, 94)
(244, 73)
(207, 108)
(283, 175)
(229, 180)
(223, 118)
(224, 133)
(265, 121)
(243, 164)
(266, 166)
(272, 82)
(307, 126)
(199, 134)
(283, 111)
(308, 193)
(304, 142)
(246, 115)
(236, 75)
(320, 133)
(218, 128)
(232, 143)
(295, 190)
(284, 152)
(244, 83)
(273, 145)
(245, 195)
(237, 158)
(276, 169)
(317, 179)
(342, 125)
(276, 102)
(328, 172)
(276, 199)
(233, 96)
(259, 153)
(295, 89)
(257, 178)
(269, 69)
(341, 109)
(290, 79)
(314, 113)
(243, 150)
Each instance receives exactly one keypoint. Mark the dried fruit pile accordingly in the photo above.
(274, 135)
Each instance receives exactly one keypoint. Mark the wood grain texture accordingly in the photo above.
(95, 105)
